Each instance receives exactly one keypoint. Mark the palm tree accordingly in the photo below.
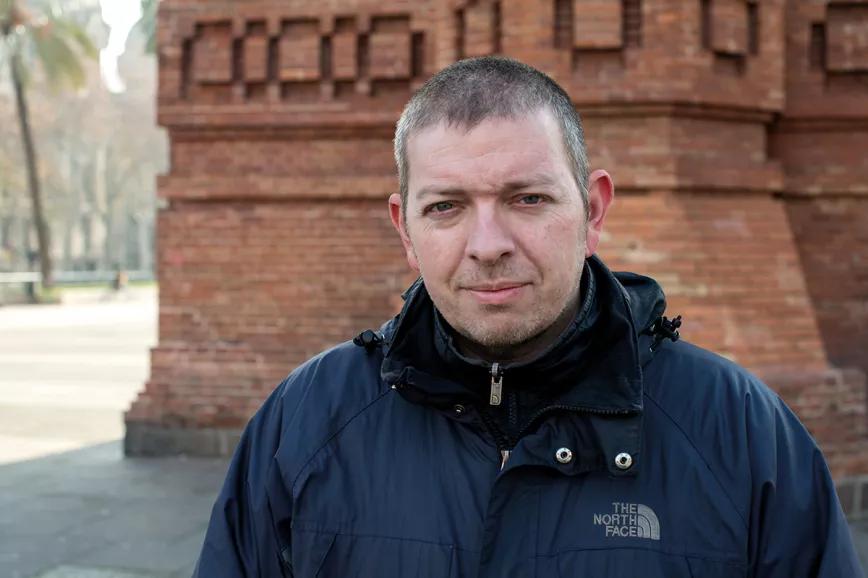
(58, 45)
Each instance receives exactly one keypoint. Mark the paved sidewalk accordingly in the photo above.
(70, 505)
(91, 513)
(68, 372)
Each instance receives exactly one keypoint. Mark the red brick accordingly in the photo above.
(597, 24)
(298, 48)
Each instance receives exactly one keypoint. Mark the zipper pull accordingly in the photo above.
(496, 384)
(504, 455)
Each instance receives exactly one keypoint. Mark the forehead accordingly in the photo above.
(495, 151)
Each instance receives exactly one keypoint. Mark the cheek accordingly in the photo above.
(439, 254)
(558, 246)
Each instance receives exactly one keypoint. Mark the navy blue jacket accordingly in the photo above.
(620, 451)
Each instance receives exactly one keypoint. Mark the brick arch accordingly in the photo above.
(732, 144)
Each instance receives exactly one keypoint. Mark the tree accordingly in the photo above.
(149, 24)
(57, 46)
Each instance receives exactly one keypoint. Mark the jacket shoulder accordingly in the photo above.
(299, 417)
(320, 397)
(763, 458)
(683, 378)
(723, 411)
(706, 395)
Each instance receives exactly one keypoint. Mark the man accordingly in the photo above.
(528, 413)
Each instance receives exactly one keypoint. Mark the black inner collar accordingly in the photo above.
(593, 366)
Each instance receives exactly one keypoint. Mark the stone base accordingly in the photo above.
(147, 439)
(853, 493)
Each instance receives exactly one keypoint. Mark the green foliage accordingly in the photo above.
(58, 43)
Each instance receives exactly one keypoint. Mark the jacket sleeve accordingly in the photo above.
(245, 537)
(797, 527)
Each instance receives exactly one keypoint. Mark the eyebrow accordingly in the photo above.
(510, 186)
(435, 190)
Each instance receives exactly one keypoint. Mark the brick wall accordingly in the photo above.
(832, 236)
(728, 264)
(250, 289)
(820, 142)
(732, 129)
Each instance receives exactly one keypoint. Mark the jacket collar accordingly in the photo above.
(593, 371)
(594, 365)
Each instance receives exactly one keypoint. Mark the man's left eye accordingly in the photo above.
(530, 199)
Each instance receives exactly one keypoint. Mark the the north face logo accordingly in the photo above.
(629, 521)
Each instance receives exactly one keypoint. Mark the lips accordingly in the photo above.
(496, 287)
(497, 293)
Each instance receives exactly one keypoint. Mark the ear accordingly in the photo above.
(601, 193)
(401, 226)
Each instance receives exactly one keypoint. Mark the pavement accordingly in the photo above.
(91, 513)
(70, 370)
(71, 505)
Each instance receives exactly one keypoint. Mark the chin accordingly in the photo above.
(498, 337)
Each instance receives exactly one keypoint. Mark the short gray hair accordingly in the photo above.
(469, 91)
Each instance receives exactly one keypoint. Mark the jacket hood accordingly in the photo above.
(594, 365)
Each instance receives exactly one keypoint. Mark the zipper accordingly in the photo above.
(575, 408)
(495, 432)
(504, 455)
(511, 411)
(496, 395)
(495, 398)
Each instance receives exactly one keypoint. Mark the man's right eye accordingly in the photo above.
(440, 207)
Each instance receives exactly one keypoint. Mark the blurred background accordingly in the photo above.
(94, 137)
(192, 202)
(78, 160)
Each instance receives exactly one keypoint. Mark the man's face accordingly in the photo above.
(496, 227)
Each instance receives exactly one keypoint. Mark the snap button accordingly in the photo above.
(564, 455)
(459, 409)
(624, 461)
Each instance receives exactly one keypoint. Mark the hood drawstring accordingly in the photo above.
(665, 328)
(369, 339)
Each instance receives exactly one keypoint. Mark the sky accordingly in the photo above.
(120, 16)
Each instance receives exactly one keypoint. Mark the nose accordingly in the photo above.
(490, 239)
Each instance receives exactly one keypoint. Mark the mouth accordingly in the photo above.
(496, 286)
(497, 293)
